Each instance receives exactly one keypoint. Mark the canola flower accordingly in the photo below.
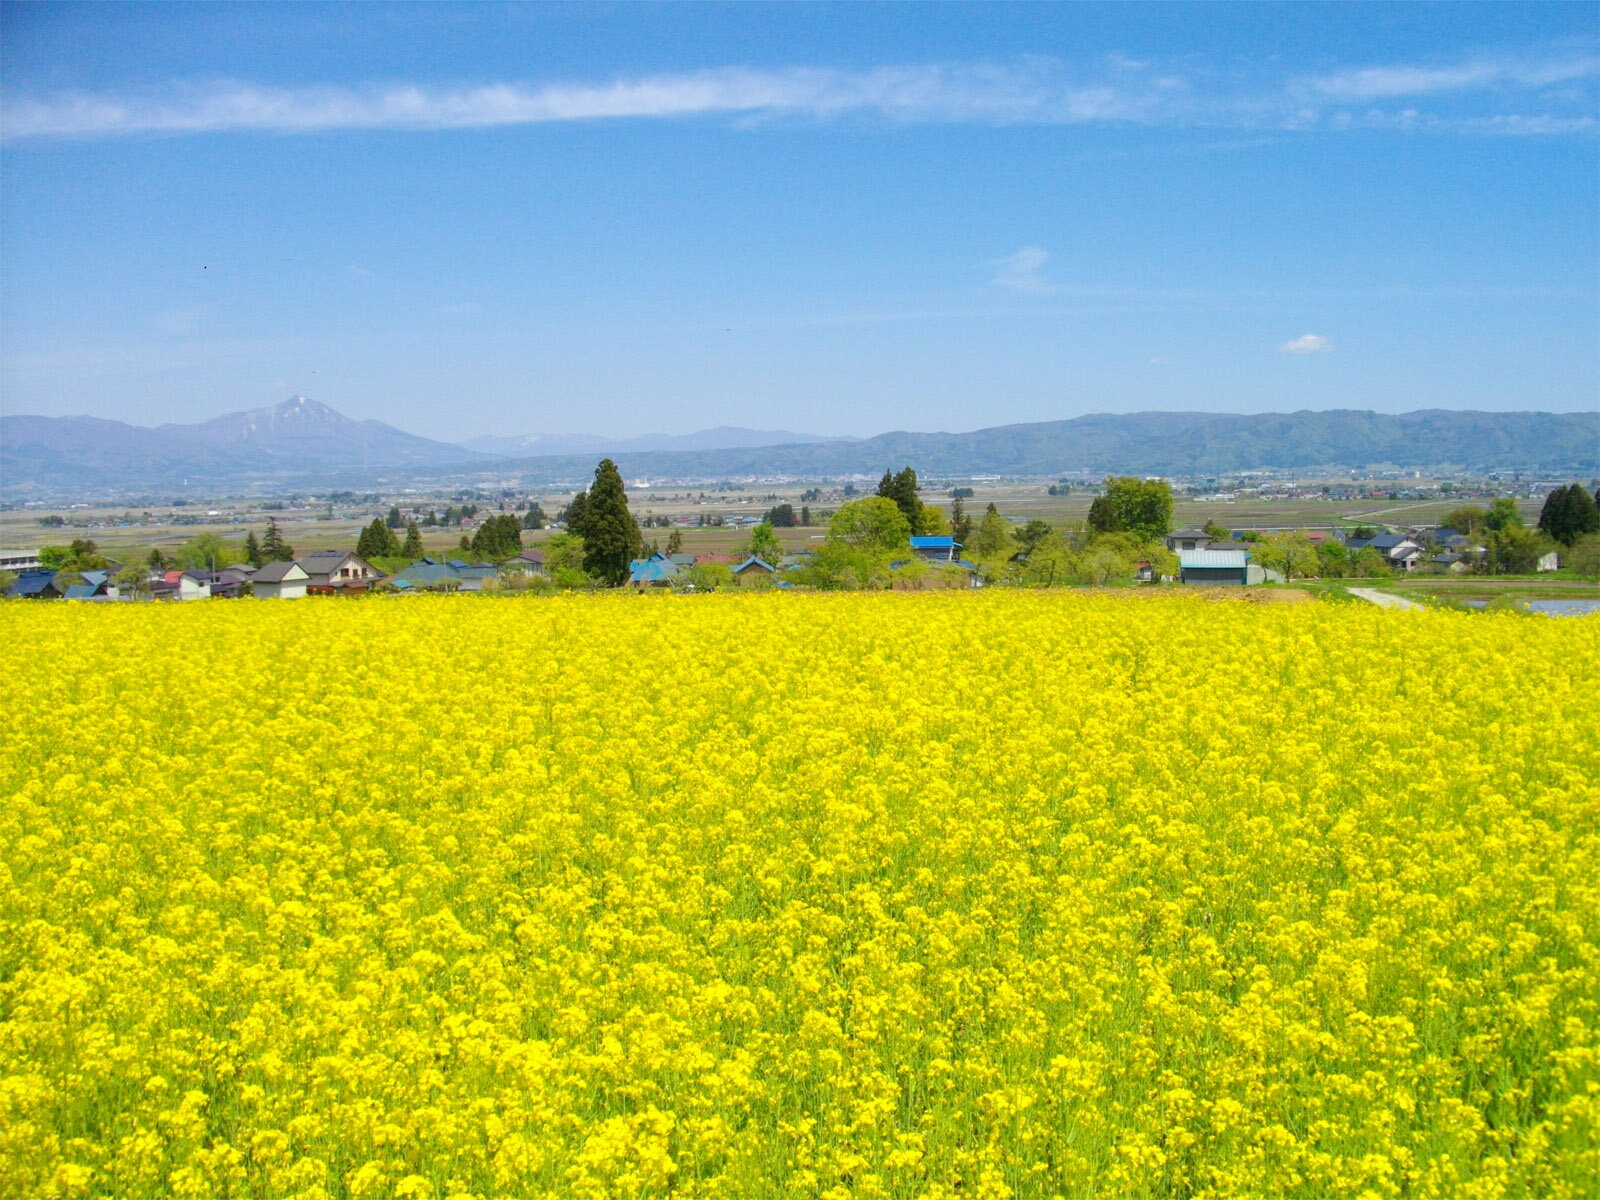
(990, 895)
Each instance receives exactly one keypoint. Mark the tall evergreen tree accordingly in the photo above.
(1569, 513)
(394, 521)
(675, 542)
(377, 541)
(960, 522)
(576, 515)
(252, 549)
(412, 548)
(611, 539)
(534, 518)
(273, 547)
(1103, 515)
(901, 487)
(805, 514)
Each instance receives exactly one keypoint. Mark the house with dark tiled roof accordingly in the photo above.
(336, 572)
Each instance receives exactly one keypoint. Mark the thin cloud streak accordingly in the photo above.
(1034, 90)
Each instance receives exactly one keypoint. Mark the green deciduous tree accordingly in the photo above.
(132, 581)
(611, 539)
(992, 539)
(1142, 507)
(875, 523)
(202, 552)
(1502, 514)
(764, 544)
(1467, 519)
(1514, 550)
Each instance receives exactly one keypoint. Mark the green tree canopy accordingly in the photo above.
(901, 487)
(202, 552)
(960, 522)
(992, 539)
(498, 538)
(764, 544)
(1142, 507)
(611, 538)
(1467, 519)
(1569, 513)
(874, 523)
(1503, 514)
(377, 540)
(273, 547)
(412, 547)
(252, 549)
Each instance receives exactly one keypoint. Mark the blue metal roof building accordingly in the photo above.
(1228, 567)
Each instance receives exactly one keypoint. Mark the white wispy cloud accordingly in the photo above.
(1389, 82)
(1310, 343)
(1033, 90)
(1023, 271)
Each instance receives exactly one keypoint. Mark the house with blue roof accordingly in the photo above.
(656, 571)
(35, 585)
(941, 548)
(1217, 568)
(754, 570)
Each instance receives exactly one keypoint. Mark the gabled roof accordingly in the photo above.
(96, 578)
(33, 583)
(1213, 559)
(755, 563)
(81, 591)
(683, 560)
(943, 542)
(281, 572)
(651, 570)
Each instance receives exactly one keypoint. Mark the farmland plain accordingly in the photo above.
(939, 895)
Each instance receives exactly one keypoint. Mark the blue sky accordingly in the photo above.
(837, 219)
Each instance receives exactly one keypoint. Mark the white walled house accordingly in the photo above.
(279, 581)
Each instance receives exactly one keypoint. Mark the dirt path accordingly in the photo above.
(1386, 599)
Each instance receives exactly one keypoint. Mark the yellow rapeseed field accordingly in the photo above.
(926, 895)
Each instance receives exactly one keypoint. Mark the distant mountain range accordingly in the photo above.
(302, 443)
(297, 440)
(1154, 443)
(723, 437)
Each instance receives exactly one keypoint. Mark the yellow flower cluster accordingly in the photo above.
(927, 895)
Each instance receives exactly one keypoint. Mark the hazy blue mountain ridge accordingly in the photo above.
(302, 443)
